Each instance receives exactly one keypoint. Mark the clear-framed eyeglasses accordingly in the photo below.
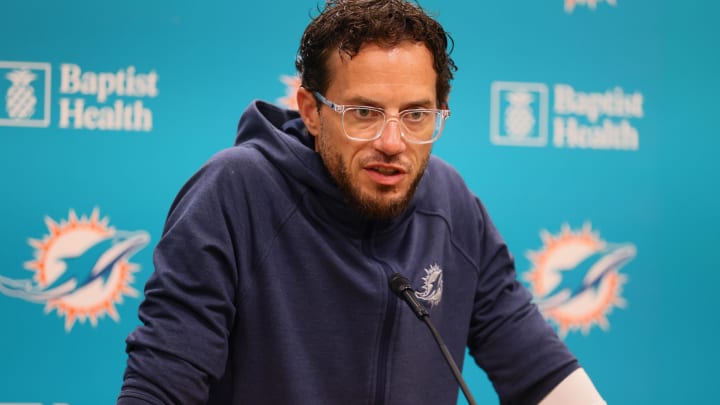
(364, 123)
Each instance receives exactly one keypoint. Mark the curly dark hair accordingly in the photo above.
(346, 25)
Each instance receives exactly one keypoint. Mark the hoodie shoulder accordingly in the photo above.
(444, 193)
(443, 185)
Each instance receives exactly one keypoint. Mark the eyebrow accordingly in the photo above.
(363, 101)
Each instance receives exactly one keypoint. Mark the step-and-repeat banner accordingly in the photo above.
(586, 126)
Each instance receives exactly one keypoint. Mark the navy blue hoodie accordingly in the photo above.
(269, 289)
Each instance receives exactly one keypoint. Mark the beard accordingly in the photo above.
(372, 204)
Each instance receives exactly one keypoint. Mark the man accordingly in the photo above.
(271, 279)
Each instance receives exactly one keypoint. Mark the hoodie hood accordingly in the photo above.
(280, 135)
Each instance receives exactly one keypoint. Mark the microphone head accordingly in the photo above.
(399, 283)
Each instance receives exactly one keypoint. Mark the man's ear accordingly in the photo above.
(308, 108)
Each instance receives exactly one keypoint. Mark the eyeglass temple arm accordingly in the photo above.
(327, 102)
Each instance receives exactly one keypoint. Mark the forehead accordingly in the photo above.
(381, 72)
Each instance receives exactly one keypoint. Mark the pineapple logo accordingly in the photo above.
(576, 278)
(26, 89)
(518, 114)
(519, 119)
(20, 99)
(81, 269)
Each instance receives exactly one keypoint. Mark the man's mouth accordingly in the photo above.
(386, 171)
(388, 175)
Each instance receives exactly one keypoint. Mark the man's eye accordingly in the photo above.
(416, 116)
(365, 113)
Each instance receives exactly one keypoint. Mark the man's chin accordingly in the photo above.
(376, 201)
(380, 210)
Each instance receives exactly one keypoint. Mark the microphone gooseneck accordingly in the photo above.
(401, 286)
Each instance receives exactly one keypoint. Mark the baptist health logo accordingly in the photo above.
(520, 116)
(89, 100)
(81, 268)
(576, 278)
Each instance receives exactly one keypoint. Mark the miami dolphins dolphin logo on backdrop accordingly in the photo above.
(591, 4)
(292, 84)
(81, 269)
(576, 278)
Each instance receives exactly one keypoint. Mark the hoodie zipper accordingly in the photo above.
(387, 326)
(383, 352)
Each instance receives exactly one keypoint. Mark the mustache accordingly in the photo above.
(378, 157)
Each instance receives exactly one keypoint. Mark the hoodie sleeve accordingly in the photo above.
(509, 339)
(189, 306)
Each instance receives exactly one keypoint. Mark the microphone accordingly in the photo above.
(401, 286)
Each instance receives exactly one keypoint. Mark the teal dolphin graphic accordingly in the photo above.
(588, 274)
(95, 263)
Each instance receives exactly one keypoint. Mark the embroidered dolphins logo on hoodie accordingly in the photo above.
(432, 289)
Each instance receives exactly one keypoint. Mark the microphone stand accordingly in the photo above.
(401, 286)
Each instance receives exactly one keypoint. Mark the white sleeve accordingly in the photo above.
(575, 389)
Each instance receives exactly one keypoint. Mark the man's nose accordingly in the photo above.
(391, 141)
